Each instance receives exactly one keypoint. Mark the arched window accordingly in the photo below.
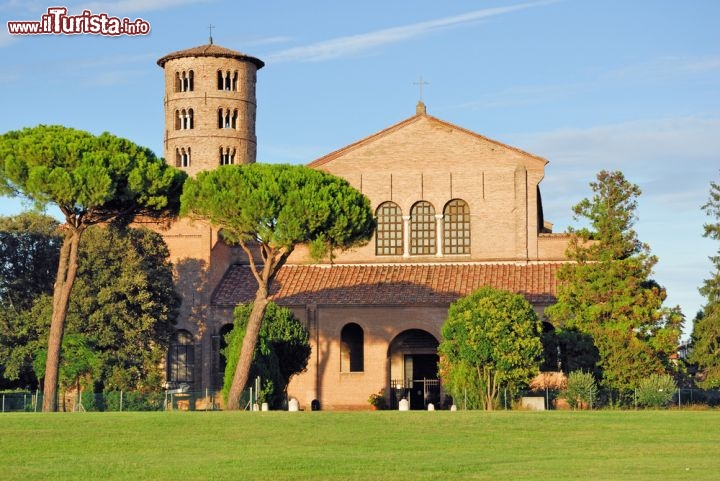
(227, 156)
(352, 357)
(181, 358)
(219, 80)
(422, 229)
(389, 232)
(191, 119)
(456, 227)
(235, 81)
(182, 157)
(178, 120)
(191, 81)
(227, 85)
(178, 83)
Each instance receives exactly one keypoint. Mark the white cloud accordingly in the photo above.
(354, 44)
(664, 68)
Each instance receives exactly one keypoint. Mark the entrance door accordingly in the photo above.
(421, 371)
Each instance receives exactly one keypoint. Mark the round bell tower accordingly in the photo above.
(210, 107)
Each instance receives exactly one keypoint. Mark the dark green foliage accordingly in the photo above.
(124, 297)
(91, 178)
(705, 353)
(569, 350)
(280, 206)
(283, 350)
(268, 210)
(581, 390)
(656, 390)
(607, 293)
(121, 311)
(490, 340)
(29, 247)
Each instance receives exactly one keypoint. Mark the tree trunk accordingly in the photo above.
(242, 371)
(67, 269)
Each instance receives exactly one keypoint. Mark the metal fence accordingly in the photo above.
(208, 400)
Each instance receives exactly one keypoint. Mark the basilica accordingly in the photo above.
(455, 211)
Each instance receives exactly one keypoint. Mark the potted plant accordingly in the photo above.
(377, 400)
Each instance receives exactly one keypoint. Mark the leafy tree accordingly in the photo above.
(29, 246)
(283, 350)
(706, 329)
(607, 292)
(490, 339)
(92, 180)
(79, 360)
(122, 306)
(268, 210)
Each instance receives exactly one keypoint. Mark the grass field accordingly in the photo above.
(383, 445)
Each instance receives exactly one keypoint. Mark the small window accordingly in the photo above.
(178, 82)
(389, 232)
(422, 229)
(352, 357)
(456, 227)
(182, 157)
(219, 80)
(227, 156)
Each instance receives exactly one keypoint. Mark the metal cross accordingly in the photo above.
(211, 26)
(421, 82)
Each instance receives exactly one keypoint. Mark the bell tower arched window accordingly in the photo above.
(182, 157)
(227, 156)
(227, 119)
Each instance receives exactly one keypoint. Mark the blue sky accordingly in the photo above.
(587, 84)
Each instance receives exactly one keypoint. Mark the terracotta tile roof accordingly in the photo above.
(210, 50)
(389, 284)
(411, 120)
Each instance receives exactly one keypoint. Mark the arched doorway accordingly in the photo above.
(413, 361)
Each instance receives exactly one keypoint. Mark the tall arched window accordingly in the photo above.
(389, 232)
(352, 355)
(182, 157)
(181, 358)
(456, 227)
(422, 229)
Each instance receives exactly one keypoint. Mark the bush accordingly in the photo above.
(656, 391)
(581, 389)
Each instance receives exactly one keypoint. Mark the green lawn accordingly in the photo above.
(383, 445)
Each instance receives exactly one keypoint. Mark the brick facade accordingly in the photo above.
(373, 319)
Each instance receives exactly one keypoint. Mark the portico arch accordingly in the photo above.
(413, 363)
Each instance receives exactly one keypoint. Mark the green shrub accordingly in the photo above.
(581, 389)
(656, 391)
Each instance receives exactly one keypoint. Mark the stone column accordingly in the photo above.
(406, 236)
(439, 228)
